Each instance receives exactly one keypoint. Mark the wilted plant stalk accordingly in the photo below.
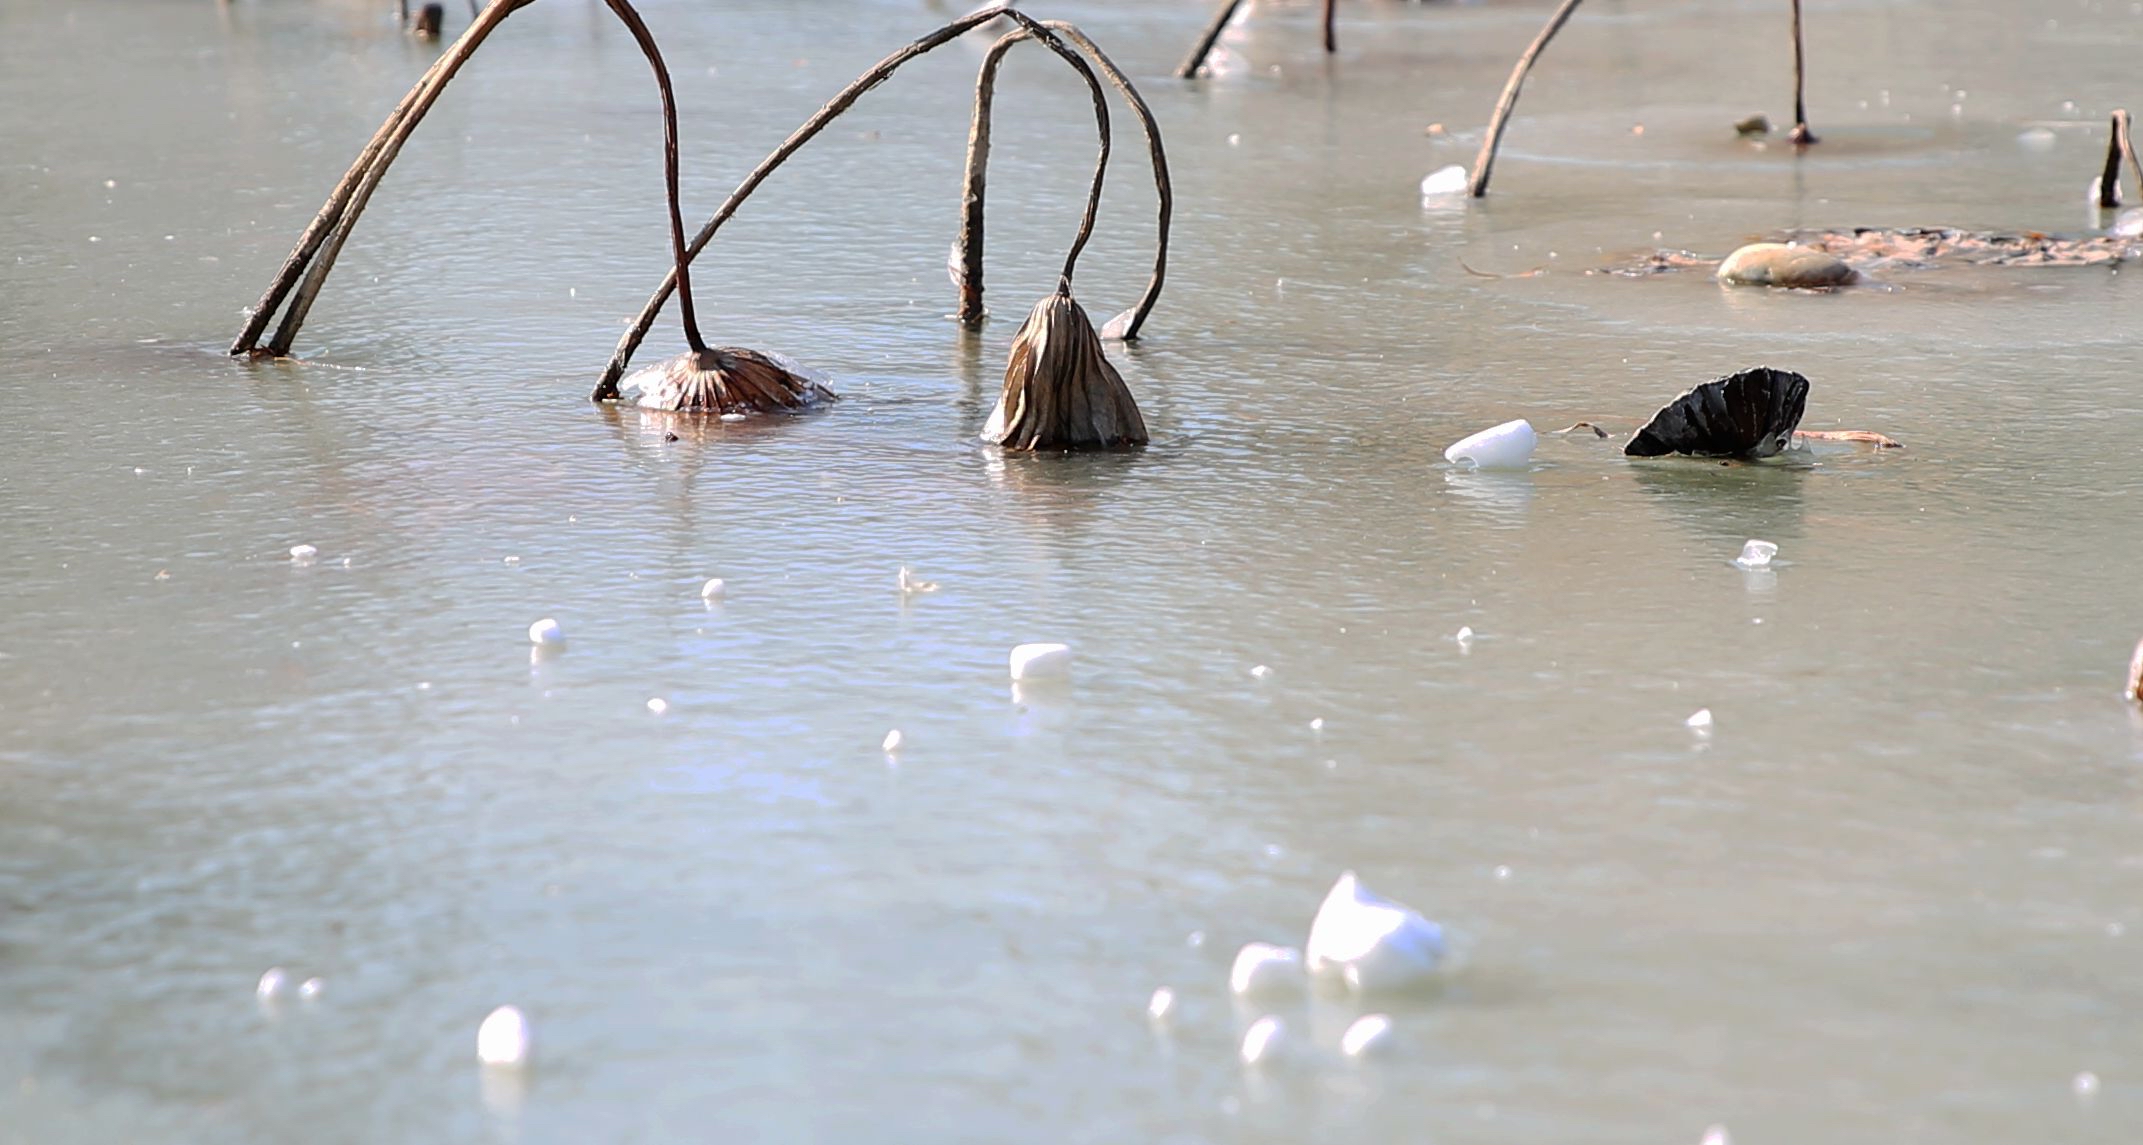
(2119, 142)
(1800, 134)
(967, 264)
(1505, 103)
(1188, 69)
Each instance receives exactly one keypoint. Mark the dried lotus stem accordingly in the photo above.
(1800, 133)
(1486, 160)
(1188, 69)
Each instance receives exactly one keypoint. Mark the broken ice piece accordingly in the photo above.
(303, 554)
(1368, 1036)
(1263, 1041)
(547, 633)
(1507, 446)
(272, 983)
(1262, 968)
(713, 589)
(1756, 555)
(911, 583)
(1041, 662)
(1161, 1005)
(503, 1038)
(891, 743)
(1700, 720)
(1451, 180)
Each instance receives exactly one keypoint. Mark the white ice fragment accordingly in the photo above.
(272, 983)
(1041, 662)
(2036, 139)
(1452, 180)
(910, 584)
(1262, 968)
(1161, 1005)
(1503, 872)
(1700, 720)
(1260, 672)
(303, 554)
(1371, 943)
(891, 743)
(547, 633)
(2085, 1085)
(1717, 1135)
(503, 1038)
(1317, 725)
(1368, 1036)
(310, 988)
(1263, 1041)
(1756, 555)
(1194, 939)
(658, 705)
(712, 590)
(1235, 140)
(2128, 224)
(1507, 446)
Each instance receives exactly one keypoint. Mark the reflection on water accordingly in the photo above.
(1891, 894)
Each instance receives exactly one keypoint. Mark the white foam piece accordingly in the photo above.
(1371, 943)
(1041, 662)
(1756, 555)
(2085, 1085)
(1507, 446)
(1699, 720)
(547, 633)
(1260, 672)
(910, 584)
(893, 740)
(503, 1039)
(1263, 1041)
(1262, 968)
(311, 988)
(272, 983)
(713, 589)
(2036, 139)
(658, 705)
(1452, 180)
(1368, 1036)
(2128, 224)
(1161, 1005)
(303, 554)
(1717, 1135)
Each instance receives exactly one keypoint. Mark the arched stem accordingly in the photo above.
(1486, 160)
(1188, 69)
(606, 387)
(1331, 38)
(970, 244)
(679, 262)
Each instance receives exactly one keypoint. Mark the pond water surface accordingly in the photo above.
(1893, 895)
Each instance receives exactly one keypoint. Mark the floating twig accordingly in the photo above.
(967, 260)
(1486, 160)
(1800, 134)
(606, 386)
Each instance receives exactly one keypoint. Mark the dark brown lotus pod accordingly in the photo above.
(1060, 391)
(725, 379)
(1748, 415)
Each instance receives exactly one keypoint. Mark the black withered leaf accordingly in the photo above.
(1747, 415)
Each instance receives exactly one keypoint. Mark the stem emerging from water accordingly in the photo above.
(1800, 134)
(2119, 142)
(1331, 41)
(1188, 69)
(680, 263)
(1486, 160)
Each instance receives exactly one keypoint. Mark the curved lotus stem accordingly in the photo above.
(2119, 142)
(606, 387)
(1188, 69)
(1800, 134)
(969, 248)
(1486, 160)
(1331, 40)
(679, 262)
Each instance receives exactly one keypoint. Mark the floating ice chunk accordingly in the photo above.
(272, 983)
(503, 1038)
(1317, 725)
(2085, 1085)
(303, 554)
(1452, 180)
(1700, 720)
(1369, 1036)
(1263, 1041)
(1507, 446)
(547, 633)
(1260, 672)
(713, 589)
(1262, 968)
(910, 584)
(2128, 224)
(1161, 1005)
(2036, 139)
(311, 988)
(658, 705)
(891, 743)
(1371, 943)
(1756, 555)
(1717, 1135)
(1041, 662)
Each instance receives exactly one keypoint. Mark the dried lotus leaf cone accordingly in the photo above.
(723, 379)
(1060, 390)
(1748, 415)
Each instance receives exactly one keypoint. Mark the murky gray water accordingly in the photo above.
(1893, 896)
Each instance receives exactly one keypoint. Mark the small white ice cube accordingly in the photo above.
(1368, 1036)
(303, 554)
(1756, 555)
(1506, 446)
(1262, 968)
(712, 590)
(1700, 720)
(1263, 1041)
(504, 1037)
(1041, 662)
(893, 740)
(547, 633)
(658, 705)
(272, 983)
(1161, 1005)
(1452, 180)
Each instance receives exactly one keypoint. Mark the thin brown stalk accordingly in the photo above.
(606, 387)
(1126, 325)
(2119, 142)
(1486, 160)
(1331, 39)
(1188, 69)
(1800, 134)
